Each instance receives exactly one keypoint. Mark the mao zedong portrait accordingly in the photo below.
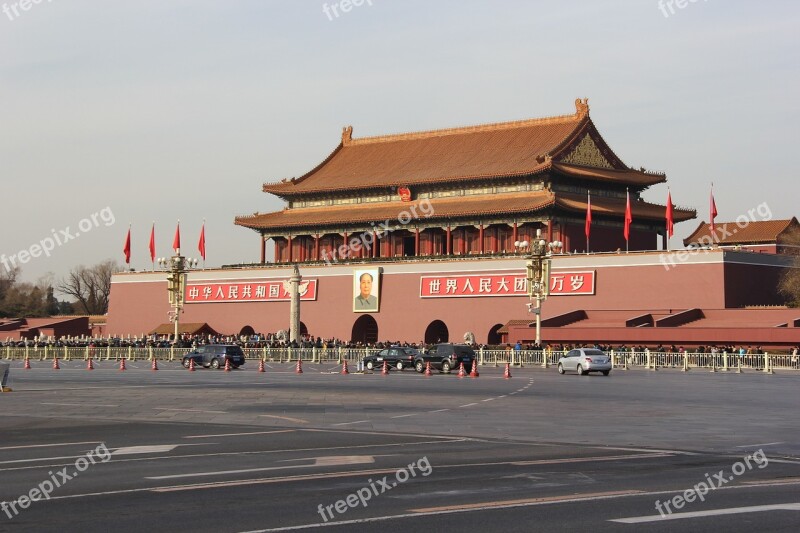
(365, 301)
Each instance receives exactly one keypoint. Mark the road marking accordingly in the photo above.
(347, 423)
(468, 405)
(754, 445)
(403, 416)
(239, 434)
(287, 418)
(523, 501)
(585, 459)
(133, 450)
(713, 512)
(318, 461)
(440, 410)
(188, 410)
(487, 400)
(48, 445)
(80, 404)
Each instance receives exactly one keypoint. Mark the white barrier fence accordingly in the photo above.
(519, 358)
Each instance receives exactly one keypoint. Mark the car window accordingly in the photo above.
(573, 353)
(383, 353)
(593, 352)
(201, 349)
(234, 350)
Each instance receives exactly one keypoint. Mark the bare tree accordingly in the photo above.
(789, 284)
(90, 286)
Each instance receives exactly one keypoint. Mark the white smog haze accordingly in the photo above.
(176, 109)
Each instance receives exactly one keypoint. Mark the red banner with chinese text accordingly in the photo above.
(248, 291)
(475, 285)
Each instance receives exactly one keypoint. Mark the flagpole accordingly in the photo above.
(627, 204)
(152, 255)
(589, 220)
(204, 244)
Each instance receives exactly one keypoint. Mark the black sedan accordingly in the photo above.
(398, 357)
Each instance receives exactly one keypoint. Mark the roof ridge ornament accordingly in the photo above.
(582, 107)
(347, 135)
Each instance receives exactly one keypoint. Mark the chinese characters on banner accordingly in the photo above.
(248, 291)
(561, 284)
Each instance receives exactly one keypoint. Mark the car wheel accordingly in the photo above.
(399, 365)
(186, 363)
(215, 364)
(560, 368)
(419, 367)
(370, 365)
(446, 367)
(580, 371)
(606, 372)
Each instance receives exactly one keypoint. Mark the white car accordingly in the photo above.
(585, 360)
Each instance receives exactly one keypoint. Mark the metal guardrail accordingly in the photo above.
(519, 358)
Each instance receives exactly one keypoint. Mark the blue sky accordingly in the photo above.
(167, 110)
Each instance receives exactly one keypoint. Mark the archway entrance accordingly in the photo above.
(494, 336)
(247, 330)
(436, 332)
(365, 330)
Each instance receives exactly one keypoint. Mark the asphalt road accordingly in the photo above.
(244, 451)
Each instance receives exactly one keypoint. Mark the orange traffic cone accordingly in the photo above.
(507, 373)
(461, 371)
(55, 364)
(122, 365)
(90, 364)
(155, 365)
(261, 366)
(344, 367)
(191, 365)
(428, 369)
(474, 372)
(227, 365)
(299, 368)
(27, 364)
(385, 370)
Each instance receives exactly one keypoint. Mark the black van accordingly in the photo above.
(214, 356)
(445, 357)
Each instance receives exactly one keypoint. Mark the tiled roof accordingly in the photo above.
(602, 205)
(446, 208)
(457, 154)
(755, 232)
(451, 208)
(625, 176)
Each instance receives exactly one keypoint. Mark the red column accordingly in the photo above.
(550, 230)
(290, 248)
(263, 250)
(462, 246)
(316, 247)
(416, 242)
(448, 246)
(375, 244)
(496, 247)
(480, 237)
(278, 257)
(514, 236)
(347, 247)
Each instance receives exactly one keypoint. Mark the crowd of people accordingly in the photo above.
(279, 340)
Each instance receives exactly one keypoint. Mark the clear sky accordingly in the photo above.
(180, 109)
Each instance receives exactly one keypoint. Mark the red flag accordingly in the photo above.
(127, 248)
(153, 244)
(628, 217)
(670, 221)
(201, 246)
(588, 215)
(176, 242)
(712, 210)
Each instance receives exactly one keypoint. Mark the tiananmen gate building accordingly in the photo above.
(411, 237)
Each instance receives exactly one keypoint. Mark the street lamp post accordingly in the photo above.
(538, 275)
(177, 266)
